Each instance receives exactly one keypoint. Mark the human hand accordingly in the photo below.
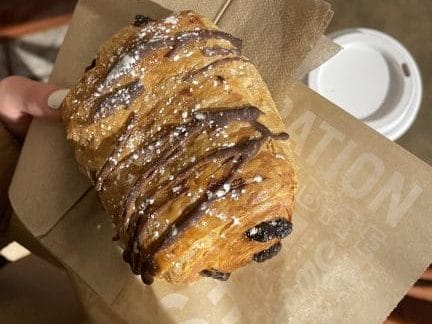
(416, 306)
(21, 99)
(423, 287)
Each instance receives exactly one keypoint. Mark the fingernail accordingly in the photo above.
(56, 98)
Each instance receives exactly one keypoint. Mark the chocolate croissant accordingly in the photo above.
(185, 147)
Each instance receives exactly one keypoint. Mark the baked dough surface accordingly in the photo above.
(184, 144)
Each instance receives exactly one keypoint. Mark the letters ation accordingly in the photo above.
(397, 206)
(362, 176)
(358, 171)
(331, 134)
(340, 160)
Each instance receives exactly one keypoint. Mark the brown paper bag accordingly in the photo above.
(361, 230)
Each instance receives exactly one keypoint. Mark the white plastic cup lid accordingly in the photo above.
(374, 78)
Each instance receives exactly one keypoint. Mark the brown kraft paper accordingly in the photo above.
(362, 225)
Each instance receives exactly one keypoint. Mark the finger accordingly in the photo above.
(19, 95)
(21, 99)
(427, 275)
(423, 293)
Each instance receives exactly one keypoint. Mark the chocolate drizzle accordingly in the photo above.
(91, 66)
(110, 101)
(147, 176)
(212, 65)
(184, 38)
(112, 162)
(122, 97)
(141, 20)
(136, 217)
(215, 274)
(233, 158)
(146, 47)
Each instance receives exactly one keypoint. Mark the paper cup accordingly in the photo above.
(374, 78)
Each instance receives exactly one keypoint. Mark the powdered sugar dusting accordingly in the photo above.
(124, 65)
(171, 20)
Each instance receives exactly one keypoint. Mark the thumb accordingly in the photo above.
(21, 99)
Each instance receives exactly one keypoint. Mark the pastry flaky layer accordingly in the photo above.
(185, 147)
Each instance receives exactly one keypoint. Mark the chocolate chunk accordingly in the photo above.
(215, 274)
(281, 136)
(268, 253)
(91, 66)
(141, 20)
(234, 157)
(147, 278)
(266, 231)
(220, 78)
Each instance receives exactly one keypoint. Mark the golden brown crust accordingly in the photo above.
(181, 138)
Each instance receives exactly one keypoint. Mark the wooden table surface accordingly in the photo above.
(20, 17)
